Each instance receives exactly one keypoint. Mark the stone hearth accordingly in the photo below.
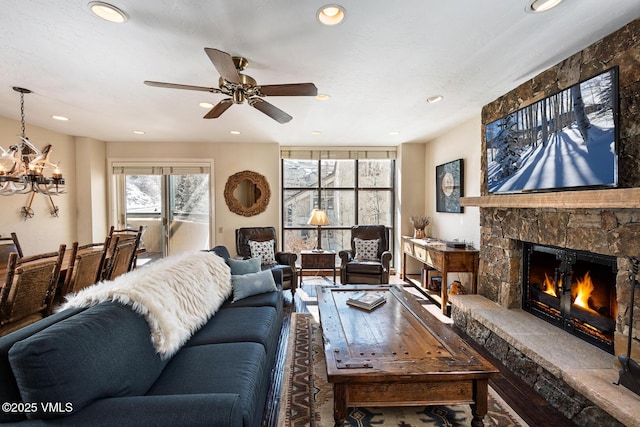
(573, 375)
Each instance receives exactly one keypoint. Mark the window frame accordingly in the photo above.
(317, 192)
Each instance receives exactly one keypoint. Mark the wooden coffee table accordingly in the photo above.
(399, 354)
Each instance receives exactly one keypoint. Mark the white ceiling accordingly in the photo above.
(378, 66)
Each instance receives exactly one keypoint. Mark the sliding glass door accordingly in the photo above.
(174, 207)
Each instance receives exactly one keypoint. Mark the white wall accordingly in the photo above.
(410, 192)
(91, 184)
(228, 158)
(462, 142)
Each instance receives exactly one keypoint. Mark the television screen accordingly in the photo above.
(565, 141)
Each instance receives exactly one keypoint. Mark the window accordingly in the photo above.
(170, 201)
(350, 191)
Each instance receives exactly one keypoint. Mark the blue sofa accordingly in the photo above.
(97, 366)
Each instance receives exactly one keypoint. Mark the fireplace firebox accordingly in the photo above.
(574, 290)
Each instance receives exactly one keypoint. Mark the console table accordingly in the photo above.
(436, 255)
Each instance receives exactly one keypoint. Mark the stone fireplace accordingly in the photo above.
(605, 223)
(610, 233)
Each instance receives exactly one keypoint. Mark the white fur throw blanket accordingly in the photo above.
(176, 295)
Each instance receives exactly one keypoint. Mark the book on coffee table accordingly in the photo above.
(366, 300)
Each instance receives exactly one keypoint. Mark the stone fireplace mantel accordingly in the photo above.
(618, 198)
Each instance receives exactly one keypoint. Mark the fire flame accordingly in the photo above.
(583, 288)
(548, 287)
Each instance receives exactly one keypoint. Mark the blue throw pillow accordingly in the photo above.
(244, 266)
(246, 285)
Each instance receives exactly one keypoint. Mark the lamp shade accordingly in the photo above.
(318, 217)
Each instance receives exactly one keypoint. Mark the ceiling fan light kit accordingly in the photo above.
(241, 87)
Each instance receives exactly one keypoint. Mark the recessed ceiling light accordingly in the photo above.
(61, 118)
(537, 6)
(315, 132)
(322, 97)
(394, 133)
(108, 12)
(331, 14)
(235, 132)
(206, 105)
(139, 132)
(434, 99)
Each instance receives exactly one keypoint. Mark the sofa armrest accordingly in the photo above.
(213, 410)
(277, 276)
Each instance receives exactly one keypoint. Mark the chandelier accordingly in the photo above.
(26, 170)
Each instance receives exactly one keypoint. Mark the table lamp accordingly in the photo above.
(318, 218)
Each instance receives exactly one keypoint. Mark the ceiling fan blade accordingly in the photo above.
(224, 64)
(219, 108)
(294, 89)
(270, 110)
(179, 86)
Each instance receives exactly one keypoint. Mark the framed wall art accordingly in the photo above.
(450, 186)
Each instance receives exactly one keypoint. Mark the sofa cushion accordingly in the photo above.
(271, 299)
(177, 295)
(9, 391)
(246, 285)
(244, 266)
(237, 368)
(103, 351)
(243, 324)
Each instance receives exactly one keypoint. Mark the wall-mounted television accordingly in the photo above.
(568, 140)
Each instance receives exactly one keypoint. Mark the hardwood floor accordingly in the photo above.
(529, 405)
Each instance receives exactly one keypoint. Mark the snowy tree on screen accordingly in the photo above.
(580, 113)
(505, 145)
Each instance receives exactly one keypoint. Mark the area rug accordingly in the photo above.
(306, 398)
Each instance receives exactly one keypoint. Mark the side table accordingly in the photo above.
(317, 260)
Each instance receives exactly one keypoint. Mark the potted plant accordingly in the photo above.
(419, 223)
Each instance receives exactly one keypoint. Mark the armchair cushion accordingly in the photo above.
(246, 285)
(366, 250)
(264, 251)
(365, 267)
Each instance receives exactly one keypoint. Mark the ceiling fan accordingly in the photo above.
(240, 87)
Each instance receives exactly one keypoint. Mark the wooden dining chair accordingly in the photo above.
(121, 259)
(8, 245)
(29, 289)
(127, 234)
(86, 265)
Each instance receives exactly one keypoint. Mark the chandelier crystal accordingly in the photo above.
(24, 169)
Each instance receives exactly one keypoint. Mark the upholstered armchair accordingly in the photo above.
(368, 259)
(265, 245)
